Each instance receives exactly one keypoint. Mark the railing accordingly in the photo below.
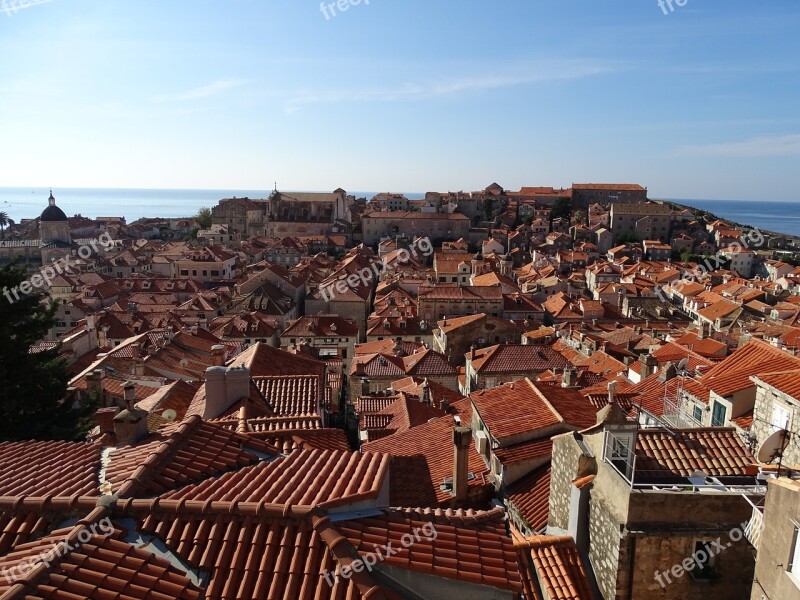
(676, 415)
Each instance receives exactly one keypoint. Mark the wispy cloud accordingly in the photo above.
(540, 72)
(216, 87)
(778, 145)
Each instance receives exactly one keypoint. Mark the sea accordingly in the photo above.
(781, 217)
(133, 204)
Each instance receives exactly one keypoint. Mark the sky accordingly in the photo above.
(697, 101)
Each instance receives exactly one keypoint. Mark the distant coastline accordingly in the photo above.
(774, 218)
(780, 218)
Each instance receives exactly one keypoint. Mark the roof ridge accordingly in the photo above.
(346, 554)
(155, 458)
(539, 393)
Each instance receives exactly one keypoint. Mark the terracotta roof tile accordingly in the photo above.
(422, 458)
(480, 553)
(102, 567)
(506, 358)
(733, 373)
(180, 454)
(557, 563)
(49, 468)
(715, 451)
(530, 496)
(304, 478)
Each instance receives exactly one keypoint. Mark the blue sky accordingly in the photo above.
(701, 102)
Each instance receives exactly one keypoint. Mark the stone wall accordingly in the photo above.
(565, 461)
(604, 545)
(761, 429)
(659, 553)
(781, 506)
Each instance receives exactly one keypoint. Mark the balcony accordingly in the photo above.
(677, 414)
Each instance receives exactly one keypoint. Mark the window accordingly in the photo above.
(704, 561)
(780, 417)
(184, 272)
(794, 559)
(718, 415)
(698, 414)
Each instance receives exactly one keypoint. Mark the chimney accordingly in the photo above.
(218, 355)
(472, 352)
(94, 384)
(104, 417)
(568, 378)
(668, 372)
(612, 392)
(649, 365)
(130, 425)
(426, 392)
(224, 387)
(462, 437)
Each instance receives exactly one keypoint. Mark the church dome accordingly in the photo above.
(52, 213)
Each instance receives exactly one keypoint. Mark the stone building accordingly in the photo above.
(777, 406)
(645, 220)
(307, 213)
(777, 574)
(243, 218)
(585, 194)
(436, 226)
(656, 502)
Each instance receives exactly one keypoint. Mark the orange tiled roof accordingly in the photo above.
(304, 478)
(733, 373)
(557, 563)
(504, 358)
(787, 382)
(104, 566)
(715, 451)
(422, 458)
(179, 454)
(479, 553)
(530, 496)
(49, 468)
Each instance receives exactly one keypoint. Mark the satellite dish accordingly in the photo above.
(169, 414)
(683, 364)
(772, 447)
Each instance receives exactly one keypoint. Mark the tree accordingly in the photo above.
(33, 386)
(203, 217)
(562, 208)
(4, 222)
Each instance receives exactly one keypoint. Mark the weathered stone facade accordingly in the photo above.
(765, 416)
(782, 511)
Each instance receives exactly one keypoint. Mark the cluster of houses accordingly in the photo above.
(545, 405)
